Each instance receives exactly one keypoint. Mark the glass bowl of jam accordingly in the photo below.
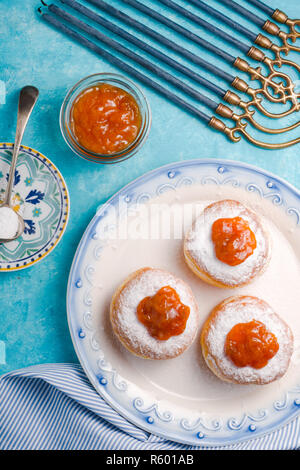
(105, 118)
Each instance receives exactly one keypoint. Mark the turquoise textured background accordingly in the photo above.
(33, 325)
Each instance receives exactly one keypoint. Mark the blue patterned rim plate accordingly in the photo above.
(129, 400)
(40, 195)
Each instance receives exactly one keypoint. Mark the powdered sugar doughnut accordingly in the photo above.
(132, 333)
(244, 309)
(199, 249)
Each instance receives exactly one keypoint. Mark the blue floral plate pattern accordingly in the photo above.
(129, 401)
(40, 195)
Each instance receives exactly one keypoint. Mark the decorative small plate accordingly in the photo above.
(40, 195)
(180, 399)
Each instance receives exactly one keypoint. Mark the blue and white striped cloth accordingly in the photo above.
(54, 406)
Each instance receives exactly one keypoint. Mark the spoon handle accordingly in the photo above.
(27, 99)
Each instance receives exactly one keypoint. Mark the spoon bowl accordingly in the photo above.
(21, 226)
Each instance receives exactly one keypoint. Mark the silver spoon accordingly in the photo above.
(27, 99)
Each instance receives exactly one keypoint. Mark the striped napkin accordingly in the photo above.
(54, 406)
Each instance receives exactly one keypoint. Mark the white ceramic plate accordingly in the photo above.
(180, 399)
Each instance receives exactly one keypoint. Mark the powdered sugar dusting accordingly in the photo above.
(244, 309)
(199, 245)
(147, 284)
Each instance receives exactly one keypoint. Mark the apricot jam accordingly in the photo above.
(105, 119)
(233, 239)
(251, 344)
(163, 314)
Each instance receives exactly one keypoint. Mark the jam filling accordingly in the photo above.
(163, 314)
(233, 239)
(105, 119)
(251, 344)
